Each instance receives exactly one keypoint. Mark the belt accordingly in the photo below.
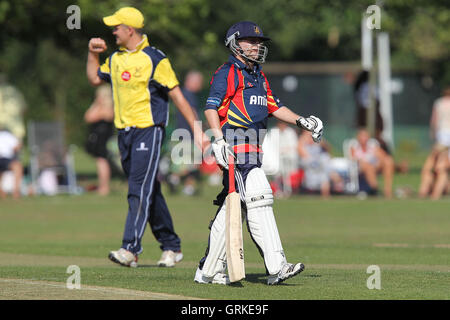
(245, 148)
(132, 127)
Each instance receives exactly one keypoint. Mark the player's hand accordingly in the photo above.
(318, 129)
(222, 150)
(317, 136)
(97, 45)
(312, 124)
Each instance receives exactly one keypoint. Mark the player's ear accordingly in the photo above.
(130, 30)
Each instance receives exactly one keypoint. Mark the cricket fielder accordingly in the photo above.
(237, 109)
(142, 81)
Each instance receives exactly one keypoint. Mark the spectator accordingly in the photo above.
(315, 161)
(288, 158)
(9, 148)
(100, 117)
(12, 107)
(361, 91)
(187, 172)
(373, 159)
(434, 176)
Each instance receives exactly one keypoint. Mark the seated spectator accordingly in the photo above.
(315, 161)
(288, 158)
(434, 177)
(372, 159)
(9, 148)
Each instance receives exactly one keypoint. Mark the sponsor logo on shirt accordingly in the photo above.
(258, 100)
(126, 76)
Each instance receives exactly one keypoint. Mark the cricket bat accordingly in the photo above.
(233, 229)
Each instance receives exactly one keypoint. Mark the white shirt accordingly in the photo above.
(442, 109)
(8, 142)
(288, 143)
(368, 154)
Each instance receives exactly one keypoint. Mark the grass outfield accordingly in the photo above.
(336, 239)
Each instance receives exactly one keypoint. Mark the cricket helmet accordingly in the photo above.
(242, 30)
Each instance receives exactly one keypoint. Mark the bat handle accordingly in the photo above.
(231, 184)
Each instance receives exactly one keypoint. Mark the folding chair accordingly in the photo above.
(347, 167)
(52, 167)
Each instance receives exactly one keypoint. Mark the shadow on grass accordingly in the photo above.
(262, 278)
(149, 266)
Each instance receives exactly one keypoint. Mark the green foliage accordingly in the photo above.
(46, 60)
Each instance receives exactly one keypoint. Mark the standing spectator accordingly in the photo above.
(434, 176)
(373, 159)
(9, 148)
(12, 107)
(361, 91)
(188, 172)
(100, 117)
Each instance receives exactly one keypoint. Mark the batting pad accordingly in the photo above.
(216, 260)
(261, 220)
(257, 189)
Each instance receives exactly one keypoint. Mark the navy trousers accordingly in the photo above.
(140, 151)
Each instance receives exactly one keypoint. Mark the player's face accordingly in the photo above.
(122, 34)
(250, 46)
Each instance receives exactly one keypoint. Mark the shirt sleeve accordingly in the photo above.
(165, 75)
(273, 102)
(219, 88)
(104, 71)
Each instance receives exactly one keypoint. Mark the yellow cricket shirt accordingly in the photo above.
(140, 80)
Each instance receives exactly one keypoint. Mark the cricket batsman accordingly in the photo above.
(237, 109)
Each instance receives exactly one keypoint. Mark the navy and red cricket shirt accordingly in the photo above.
(244, 101)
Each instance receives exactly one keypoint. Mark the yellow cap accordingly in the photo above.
(128, 15)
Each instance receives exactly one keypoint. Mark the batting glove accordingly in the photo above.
(222, 150)
(312, 124)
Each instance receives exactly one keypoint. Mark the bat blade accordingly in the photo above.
(234, 241)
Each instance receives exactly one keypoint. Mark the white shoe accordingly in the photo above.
(169, 258)
(219, 278)
(287, 271)
(124, 258)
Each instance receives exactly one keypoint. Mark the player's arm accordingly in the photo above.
(287, 115)
(187, 111)
(219, 88)
(311, 123)
(96, 46)
(212, 116)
